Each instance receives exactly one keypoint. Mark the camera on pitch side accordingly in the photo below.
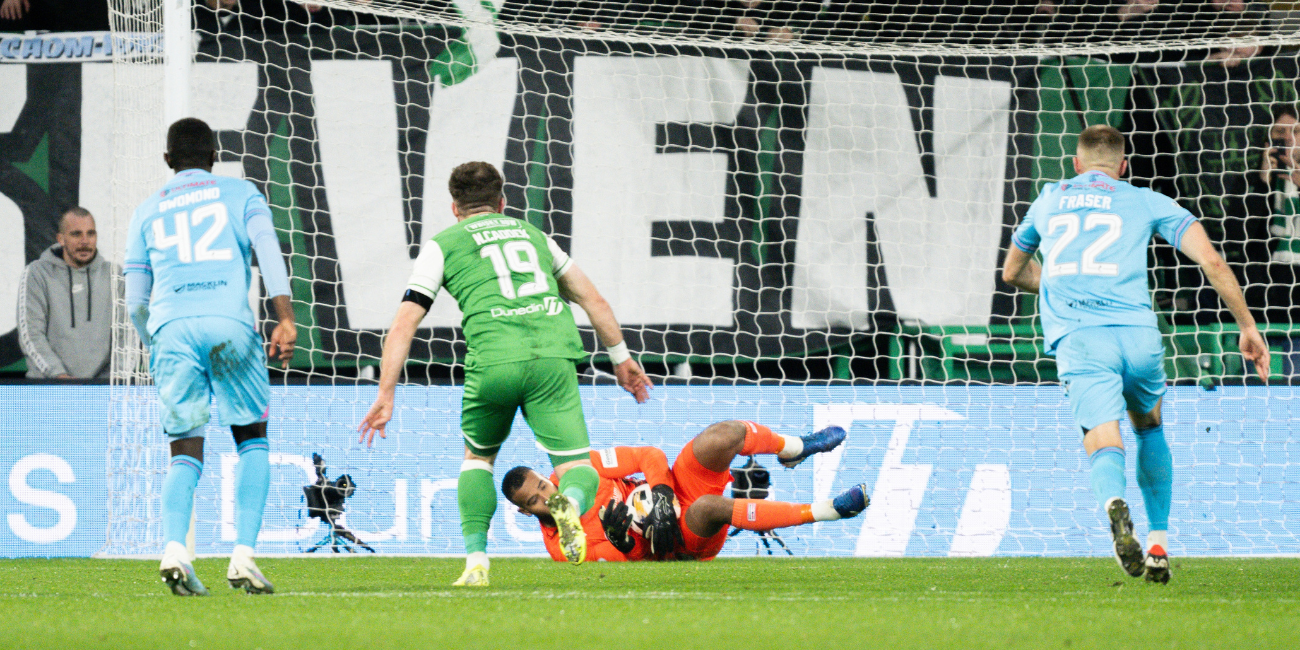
(325, 498)
(325, 501)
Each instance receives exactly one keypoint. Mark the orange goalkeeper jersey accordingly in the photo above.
(615, 465)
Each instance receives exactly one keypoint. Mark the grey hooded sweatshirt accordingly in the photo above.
(65, 316)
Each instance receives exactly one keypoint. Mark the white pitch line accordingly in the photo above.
(678, 595)
(565, 595)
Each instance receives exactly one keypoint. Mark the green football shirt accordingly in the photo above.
(503, 273)
(1285, 225)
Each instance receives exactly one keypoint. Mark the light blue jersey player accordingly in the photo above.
(188, 256)
(1093, 231)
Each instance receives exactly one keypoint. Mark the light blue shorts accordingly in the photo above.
(1109, 370)
(194, 359)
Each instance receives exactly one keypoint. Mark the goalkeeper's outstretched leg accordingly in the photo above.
(719, 444)
(704, 466)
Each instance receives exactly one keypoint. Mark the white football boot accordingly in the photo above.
(243, 572)
(178, 573)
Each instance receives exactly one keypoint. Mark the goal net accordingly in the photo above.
(798, 212)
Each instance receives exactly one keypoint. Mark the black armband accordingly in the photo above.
(417, 298)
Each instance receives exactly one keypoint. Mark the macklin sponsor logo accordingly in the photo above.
(198, 286)
(549, 305)
(1091, 303)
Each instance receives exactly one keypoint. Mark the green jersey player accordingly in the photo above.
(511, 282)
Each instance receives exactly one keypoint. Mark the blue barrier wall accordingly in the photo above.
(961, 471)
(53, 498)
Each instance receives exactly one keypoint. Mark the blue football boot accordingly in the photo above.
(851, 502)
(816, 443)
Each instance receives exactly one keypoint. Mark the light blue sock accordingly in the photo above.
(1107, 474)
(1155, 475)
(252, 481)
(178, 496)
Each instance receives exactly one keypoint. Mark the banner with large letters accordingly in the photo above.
(951, 471)
(726, 202)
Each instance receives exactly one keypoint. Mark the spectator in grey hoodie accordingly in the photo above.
(65, 305)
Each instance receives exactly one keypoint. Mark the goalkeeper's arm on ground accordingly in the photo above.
(598, 545)
(661, 529)
(599, 549)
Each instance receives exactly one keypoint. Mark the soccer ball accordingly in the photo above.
(639, 501)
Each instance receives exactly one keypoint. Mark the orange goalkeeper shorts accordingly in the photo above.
(693, 481)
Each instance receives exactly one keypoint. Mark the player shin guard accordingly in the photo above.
(1155, 475)
(252, 481)
(178, 496)
(477, 498)
(758, 514)
(579, 484)
(1107, 474)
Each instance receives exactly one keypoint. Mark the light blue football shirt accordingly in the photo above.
(192, 236)
(1094, 232)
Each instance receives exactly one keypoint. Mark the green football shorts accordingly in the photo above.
(546, 390)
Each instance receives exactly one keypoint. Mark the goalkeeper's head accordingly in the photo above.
(190, 145)
(529, 491)
(475, 188)
(1101, 148)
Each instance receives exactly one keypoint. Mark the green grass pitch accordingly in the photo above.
(370, 603)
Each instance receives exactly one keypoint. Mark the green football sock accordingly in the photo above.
(477, 498)
(579, 484)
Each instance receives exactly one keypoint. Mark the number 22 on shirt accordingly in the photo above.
(1088, 261)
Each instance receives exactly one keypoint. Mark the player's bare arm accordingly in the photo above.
(576, 287)
(1196, 245)
(285, 334)
(1021, 270)
(396, 346)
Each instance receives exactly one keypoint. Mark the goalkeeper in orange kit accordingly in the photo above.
(684, 516)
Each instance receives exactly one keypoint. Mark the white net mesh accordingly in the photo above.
(796, 210)
(908, 27)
